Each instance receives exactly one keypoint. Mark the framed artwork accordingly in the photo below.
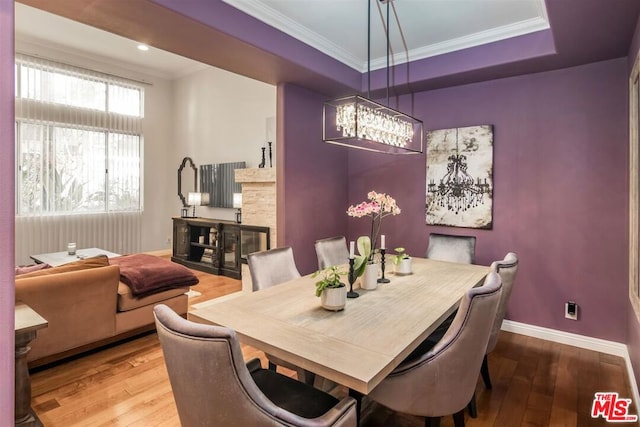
(460, 177)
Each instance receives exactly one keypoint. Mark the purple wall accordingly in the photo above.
(633, 338)
(560, 165)
(312, 177)
(7, 351)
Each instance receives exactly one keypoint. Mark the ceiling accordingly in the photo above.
(38, 27)
(337, 28)
(322, 44)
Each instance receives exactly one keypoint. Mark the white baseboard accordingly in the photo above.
(581, 341)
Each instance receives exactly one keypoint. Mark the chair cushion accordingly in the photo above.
(127, 301)
(294, 396)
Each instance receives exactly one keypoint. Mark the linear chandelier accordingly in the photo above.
(358, 122)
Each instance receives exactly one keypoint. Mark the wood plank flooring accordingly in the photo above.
(535, 383)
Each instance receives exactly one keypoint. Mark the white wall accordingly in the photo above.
(211, 115)
(221, 117)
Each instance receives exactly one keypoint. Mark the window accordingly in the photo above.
(78, 140)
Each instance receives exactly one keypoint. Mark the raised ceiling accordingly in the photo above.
(418, 28)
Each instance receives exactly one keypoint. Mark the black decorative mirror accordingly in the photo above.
(187, 179)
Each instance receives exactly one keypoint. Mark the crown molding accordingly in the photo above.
(466, 42)
(280, 22)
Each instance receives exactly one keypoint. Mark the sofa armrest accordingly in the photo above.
(80, 307)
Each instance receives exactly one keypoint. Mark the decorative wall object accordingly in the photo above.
(218, 179)
(460, 177)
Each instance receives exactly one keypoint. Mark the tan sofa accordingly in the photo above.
(87, 306)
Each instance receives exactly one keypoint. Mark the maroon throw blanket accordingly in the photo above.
(146, 274)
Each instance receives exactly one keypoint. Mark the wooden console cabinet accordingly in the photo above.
(216, 246)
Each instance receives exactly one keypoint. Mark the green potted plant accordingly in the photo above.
(332, 292)
(401, 261)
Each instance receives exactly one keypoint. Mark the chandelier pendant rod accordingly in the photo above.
(369, 50)
(388, 29)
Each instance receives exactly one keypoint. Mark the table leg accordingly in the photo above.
(358, 397)
(24, 415)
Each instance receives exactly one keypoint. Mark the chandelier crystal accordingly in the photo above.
(358, 122)
(374, 124)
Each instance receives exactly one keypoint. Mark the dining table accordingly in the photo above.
(360, 345)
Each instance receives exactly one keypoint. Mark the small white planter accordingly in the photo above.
(334, 299)
(369, 279)
(404, 267)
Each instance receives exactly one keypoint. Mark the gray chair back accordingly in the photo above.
(212, 385)
(507, 269)
(443, 380)
(445, 247)
(272, 267)
(332, 251)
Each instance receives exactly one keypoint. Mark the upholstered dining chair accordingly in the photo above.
(445, 247)
(507, 269)
(332, 251)
(271, 268)
(212, 386)
(443, 380)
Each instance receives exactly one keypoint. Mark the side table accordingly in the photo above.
(55, 259)
(27, 323)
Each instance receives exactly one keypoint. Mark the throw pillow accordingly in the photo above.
(83, 264)
(24, 269)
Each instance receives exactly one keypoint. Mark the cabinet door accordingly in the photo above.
(230, 250)
(180, 239)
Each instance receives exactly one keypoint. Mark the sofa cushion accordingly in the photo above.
(82, 264)
(127, 301)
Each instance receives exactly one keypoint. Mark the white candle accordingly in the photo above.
(382, 242)
(352, 248)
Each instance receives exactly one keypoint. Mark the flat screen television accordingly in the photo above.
(218, 179)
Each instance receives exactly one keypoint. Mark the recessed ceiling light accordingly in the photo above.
(143, 47)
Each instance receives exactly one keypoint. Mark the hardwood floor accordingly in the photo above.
(535, 383)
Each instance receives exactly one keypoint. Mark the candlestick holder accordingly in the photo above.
(261, 165)
(270, 154)
(382, 263)
(352, 279)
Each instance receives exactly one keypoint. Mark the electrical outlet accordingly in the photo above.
(169, 240)
(571, 310)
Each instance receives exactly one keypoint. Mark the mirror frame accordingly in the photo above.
(195, 179)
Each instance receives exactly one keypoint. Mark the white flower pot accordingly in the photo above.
(369, 279)
(334, 299)
(404, 267)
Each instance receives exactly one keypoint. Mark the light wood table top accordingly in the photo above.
(359, 346)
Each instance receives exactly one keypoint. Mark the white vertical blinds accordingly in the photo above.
(115, 232)
(79, 141)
